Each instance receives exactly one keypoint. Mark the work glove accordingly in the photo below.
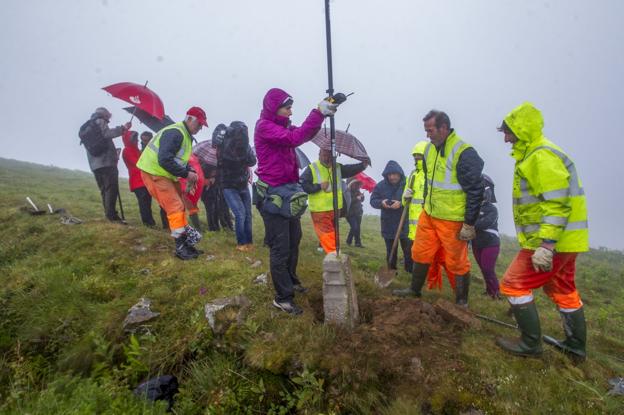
(327, 108)
(467, 233)
(408, 193)
(542, 259)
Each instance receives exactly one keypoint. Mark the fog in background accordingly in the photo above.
(475, 59)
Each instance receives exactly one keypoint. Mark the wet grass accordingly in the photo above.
(66, 289)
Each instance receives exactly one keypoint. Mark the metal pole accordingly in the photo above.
(332, 128)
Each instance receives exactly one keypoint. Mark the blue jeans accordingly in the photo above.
(239, 202)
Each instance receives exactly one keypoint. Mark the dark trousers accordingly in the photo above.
(145, 205)
(107, 181)
(406, 246)
(217, 212)
(355, 223)
(282, 236)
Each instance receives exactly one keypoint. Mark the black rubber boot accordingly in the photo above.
(462, 284)
(530, 341)
(576, 334)
(419, 276)
(182, 249)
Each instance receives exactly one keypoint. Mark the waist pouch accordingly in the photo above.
(288, 200)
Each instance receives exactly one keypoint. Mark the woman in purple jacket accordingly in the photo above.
(275, 140)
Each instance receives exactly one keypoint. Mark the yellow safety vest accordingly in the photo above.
(416, 204)
(445, 198)
(323, 201)
(148, 162)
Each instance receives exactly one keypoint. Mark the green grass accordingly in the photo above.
(65, 291)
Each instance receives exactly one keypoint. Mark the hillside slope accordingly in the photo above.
(65, 291)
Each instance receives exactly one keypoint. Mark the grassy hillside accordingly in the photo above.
(65, 291)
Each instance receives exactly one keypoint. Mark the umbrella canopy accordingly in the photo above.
(150, 121)
(138, 95)
(302, 160)
(368, 183)
(206, 152)
(346, 144)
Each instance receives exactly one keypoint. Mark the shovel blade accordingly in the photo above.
(384, 276)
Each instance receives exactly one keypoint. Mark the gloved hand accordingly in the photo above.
(408, 193)
(327, 108)
(467, 233)
(542, 259)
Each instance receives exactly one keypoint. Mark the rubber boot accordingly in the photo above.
(575, 332)
(195, 221)
(530, 341)
(419, 275)
(462, 284)
(182, 249)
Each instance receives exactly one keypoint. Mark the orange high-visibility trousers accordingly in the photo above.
(521, 278)
(437, 239)
(324, 228)
(169, 196)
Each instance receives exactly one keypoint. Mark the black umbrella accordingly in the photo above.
(149, 120)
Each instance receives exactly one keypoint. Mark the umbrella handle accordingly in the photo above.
(135, 107)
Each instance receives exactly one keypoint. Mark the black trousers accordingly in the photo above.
(406, 246)
(107, 181)
(282, 236)
(145, 205)
(217, 211)
(355, 223)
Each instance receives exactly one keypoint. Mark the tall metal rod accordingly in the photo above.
(332, 129)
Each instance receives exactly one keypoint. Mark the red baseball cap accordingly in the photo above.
(199, 114)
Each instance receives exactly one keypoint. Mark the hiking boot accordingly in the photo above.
(184, 251)
(358, 245)
(193, 236)
(575, 332)
(195, 251)
(419, 275)
(288, 306)
(530, 342)
(462, 283)
(300, 289)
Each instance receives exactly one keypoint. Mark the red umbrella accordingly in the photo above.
(368, 183)
(138, 95)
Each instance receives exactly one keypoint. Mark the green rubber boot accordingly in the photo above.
(576, 334)
(530, 341)
(419, 275)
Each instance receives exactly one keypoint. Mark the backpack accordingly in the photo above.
(92, 138)
(288, 200)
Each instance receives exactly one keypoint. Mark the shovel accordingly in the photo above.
(385, 274)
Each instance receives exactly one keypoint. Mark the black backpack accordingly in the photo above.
(92, 138)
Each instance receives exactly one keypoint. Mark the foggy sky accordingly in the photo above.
(474, 59)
